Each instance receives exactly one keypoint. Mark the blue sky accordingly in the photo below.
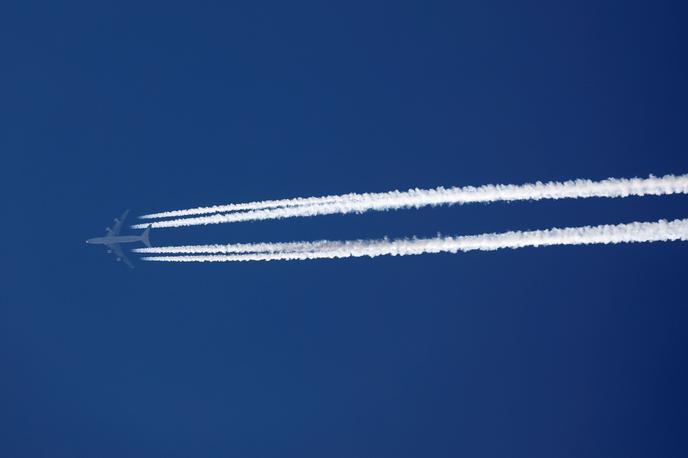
(564, 351)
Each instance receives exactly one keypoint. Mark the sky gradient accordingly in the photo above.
(539, 352)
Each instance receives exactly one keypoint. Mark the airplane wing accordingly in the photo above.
(117, 251)
(119, 222)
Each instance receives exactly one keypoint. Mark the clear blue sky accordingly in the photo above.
(571, 351)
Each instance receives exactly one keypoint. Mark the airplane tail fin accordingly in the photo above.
(144, 237)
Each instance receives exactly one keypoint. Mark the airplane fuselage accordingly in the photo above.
(115, 239)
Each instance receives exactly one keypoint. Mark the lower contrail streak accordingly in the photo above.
(605, 234)
(416, 198)
(241, 248)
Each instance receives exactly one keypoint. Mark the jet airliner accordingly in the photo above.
(112, 239)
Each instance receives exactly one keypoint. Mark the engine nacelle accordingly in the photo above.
(119, 259)
(109, 251)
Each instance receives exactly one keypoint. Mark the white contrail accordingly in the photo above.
(507, 192)
(296, 202)
(606, 234)
(416, 198)
(241, 248)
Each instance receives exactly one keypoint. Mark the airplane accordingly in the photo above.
(112, 239)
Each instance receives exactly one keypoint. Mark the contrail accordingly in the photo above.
(506, 191)
(416, 198)
(241, 248)
(661, 230)
(296, 202)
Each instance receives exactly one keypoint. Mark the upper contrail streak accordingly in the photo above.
(299, 201)
(605, 234)
(416, 198)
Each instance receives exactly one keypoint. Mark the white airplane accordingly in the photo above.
(112, 239)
